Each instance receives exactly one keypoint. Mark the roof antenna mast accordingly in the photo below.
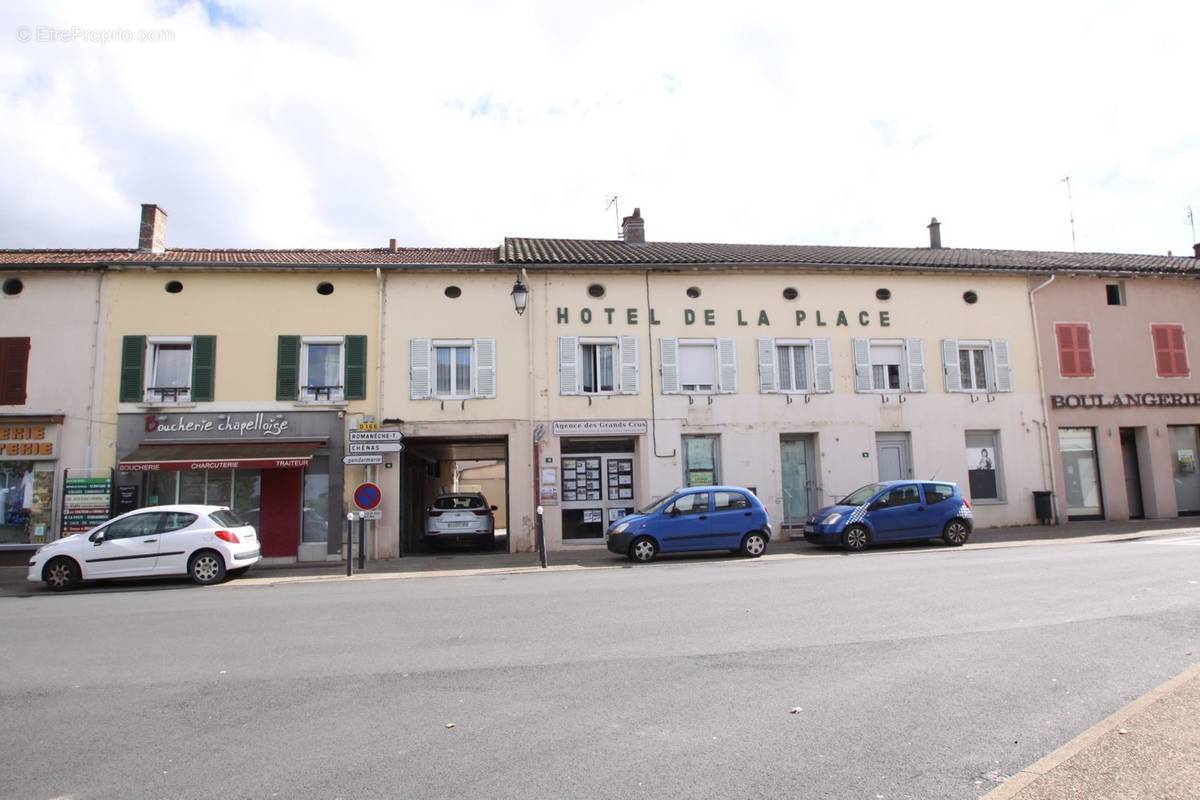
(615, 203)
(1070, 212)
(1192, 220)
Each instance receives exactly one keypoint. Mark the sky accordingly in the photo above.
(315, 124)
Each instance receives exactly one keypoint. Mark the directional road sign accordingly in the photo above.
(376, 514)
(376, 436)
(376, 447)
(367, 496)
(375, 458)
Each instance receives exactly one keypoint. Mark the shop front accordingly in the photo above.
(29, 455)
(272, 468)
(599, 475)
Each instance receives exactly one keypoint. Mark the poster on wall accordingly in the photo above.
(981, 473)
(87, 499)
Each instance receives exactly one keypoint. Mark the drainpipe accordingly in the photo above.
(1037, 343)
(650, 361)
(535, 446)
(381, 305)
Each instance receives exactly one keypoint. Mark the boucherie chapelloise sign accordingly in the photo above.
(1124, 400)
(708, 316)
(225, 425)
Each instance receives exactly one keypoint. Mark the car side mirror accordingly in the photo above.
(878, 504)
(673, 511)
(495, 508)
(97, 537)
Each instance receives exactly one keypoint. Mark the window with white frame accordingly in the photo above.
(597, 368)
(794, 365)
(322, 368)
(169, 369)
(977, 365)
(452, 369)
(889, 365)
(885, 365)
(598, 365)
(698, 366)
(973, 366)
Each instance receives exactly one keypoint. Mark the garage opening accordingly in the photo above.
(441, 479)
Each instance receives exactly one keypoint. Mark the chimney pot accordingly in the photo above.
(935, 234)
(392, 245)
(153, 233)
(1196, 250)
(633, 228)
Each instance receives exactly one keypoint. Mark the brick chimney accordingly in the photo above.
(633, 229)
(935, 234)
(153, 235)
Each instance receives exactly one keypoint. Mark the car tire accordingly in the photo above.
(956, 533)
(61, 574)
(754, 544)
(643, 549)
(206, 567)
(855, 538)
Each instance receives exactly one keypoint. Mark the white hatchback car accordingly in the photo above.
(204, 542)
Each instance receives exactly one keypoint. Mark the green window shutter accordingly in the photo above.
(356, 368)
(133, 368)
(204, 365)
(287, 369)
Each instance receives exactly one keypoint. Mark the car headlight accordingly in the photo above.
(832, 519)
(621, 528)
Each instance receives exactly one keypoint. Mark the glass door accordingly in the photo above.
(597, 489)
(1185, 444)
(797, 486)
(1081, 469)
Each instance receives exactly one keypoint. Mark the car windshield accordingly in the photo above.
(860, 496)
(657, 505)
(460, 502)
(227, 518)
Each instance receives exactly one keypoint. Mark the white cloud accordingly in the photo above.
(457, 123)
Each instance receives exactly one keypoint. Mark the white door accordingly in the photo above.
(895, 459)
(127, 547)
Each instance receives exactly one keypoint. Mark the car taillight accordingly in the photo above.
(480, 512)
(227, 536)
(433, 513)
(967, 500)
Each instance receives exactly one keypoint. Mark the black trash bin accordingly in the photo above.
(1043, 506)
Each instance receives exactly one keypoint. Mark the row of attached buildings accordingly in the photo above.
(589, 378)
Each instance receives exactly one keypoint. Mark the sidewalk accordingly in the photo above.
(1149, 750)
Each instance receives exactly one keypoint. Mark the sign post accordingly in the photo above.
(349, 543)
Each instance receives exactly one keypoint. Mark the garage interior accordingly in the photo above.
(430, 466)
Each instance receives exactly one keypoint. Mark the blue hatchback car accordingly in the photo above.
(894, 511)
(690, 520)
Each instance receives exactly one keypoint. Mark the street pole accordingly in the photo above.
(541, 539)
(349, 544)
(362, 541)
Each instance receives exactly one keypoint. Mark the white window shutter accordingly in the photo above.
(950, 365)
(669, 357)
(485, 367)
(630, 364)
(766, 366)
(727, 366)
(915, 350)
(862, 365)
(418, 369)
(1002, 365)
(822, 365)
(568, 365)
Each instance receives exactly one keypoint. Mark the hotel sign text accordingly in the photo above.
(708, 316)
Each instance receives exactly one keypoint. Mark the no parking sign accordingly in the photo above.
(367, 496)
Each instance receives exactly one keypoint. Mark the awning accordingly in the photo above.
(260, 455)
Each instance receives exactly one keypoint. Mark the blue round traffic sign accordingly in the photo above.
(367, 496)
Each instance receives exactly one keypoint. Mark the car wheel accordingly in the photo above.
(61, 574)
(754, 544)
(643, 549)
(207, 567)
(856, 538)
(956, 533)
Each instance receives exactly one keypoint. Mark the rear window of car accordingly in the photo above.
(937, 492)
(175, 520)
(229, 519)
(461, 502)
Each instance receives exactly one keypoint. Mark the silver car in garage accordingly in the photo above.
(461, 517)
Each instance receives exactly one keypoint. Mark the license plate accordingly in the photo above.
(809, 529)
(459, 524)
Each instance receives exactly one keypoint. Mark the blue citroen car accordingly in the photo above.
(690, 520)
(894, 511)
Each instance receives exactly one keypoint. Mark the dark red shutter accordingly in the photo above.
(1180, 351)
(1074, 350)
(14, 370)
(1170, 353)
(1066, 350)
(1083, 351)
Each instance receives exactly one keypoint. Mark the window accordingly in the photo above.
(889, 365)
(902, 496)
(794, 365)
(1077, 448)
(729, 501)
(700, 460)
(596, 290)
(972, 365)
(452, 369)
(132, 527)
(14, 371)
(1074, 350)
(793, 360)
(977, 365)
(937, 492)
(177, 520)
(885, 366)
(690, 504)
(1170, 352)
(1115, 293)
(697, 367)
(169, 371)
(984, 474)
(596, 367)
(321, 368)
(790, 293)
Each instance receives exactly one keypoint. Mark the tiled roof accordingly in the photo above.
(201, 257)
(605, 252)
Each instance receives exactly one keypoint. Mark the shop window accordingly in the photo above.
(322, 368)
(26, 501)
(1170, 351)
(1074, 350)
(1077, 448)
(315, 525)
(1115, 293)
(984, 473)
(889, 365)
(701, 460)
(169, 370)
(14, 370)
(1185, 447)
(452, 369)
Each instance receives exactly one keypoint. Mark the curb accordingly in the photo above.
(1012, 787)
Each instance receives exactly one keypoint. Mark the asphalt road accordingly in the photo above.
(919, 674)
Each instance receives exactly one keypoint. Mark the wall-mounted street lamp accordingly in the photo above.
(520, 296)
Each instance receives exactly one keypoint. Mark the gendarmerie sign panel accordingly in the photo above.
(600, 427)
(1124, 400)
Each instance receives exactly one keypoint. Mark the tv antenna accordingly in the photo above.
(1192, 221)
(615, 203)
(1070, 212)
